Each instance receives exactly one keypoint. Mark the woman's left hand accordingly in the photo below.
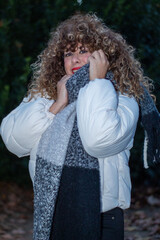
(98, 65)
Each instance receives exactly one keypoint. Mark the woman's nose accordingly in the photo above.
(75, 58)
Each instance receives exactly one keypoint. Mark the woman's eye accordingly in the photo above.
(68, 54)
(83, 51)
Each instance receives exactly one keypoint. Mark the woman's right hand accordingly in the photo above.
(62, 96)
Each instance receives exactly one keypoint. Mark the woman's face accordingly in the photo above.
(75, 60)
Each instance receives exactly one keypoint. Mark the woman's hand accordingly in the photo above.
(62, 96)
(98, 65)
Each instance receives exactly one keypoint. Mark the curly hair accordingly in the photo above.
(90, 31)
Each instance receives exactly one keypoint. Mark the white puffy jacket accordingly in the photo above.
(107, 123)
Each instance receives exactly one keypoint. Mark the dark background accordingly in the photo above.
(24, 32)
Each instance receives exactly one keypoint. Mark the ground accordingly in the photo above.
(142, 220)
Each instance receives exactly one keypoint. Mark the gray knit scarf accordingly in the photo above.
(67, 184)
(150, 119)
(67, 181)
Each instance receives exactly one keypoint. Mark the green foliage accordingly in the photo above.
(24, 32)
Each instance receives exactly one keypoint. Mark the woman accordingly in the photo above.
(92, 192)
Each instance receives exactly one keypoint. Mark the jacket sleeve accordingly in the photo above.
(106, 120)
(23, 127)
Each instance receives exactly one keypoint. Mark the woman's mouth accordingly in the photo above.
(75, 69)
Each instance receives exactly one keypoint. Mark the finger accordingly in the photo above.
(91, 59)
(103, 57)
(65, 78)
(96, 55)
(102, 54)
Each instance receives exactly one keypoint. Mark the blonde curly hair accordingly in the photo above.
(90, 31)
